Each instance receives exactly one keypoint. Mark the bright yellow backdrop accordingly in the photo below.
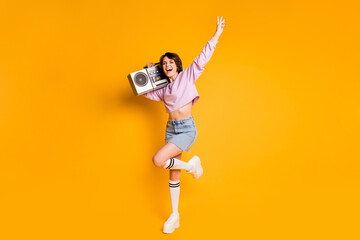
(278, 120)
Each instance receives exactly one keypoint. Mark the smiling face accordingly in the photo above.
(169, 67)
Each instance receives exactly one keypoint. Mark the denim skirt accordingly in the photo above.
(182, 133)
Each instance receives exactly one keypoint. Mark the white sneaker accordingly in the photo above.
(172, 223)
(197, 169)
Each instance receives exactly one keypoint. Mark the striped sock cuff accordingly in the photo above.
(172, 161)
(174, 184)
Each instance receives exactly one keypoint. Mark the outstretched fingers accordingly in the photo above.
(221, 20)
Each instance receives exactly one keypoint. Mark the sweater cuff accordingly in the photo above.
(213, 41)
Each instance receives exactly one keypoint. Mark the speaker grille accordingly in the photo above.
(140, 79)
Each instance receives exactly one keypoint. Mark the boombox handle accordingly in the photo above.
(154, 64)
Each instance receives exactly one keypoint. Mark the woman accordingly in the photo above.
(179, 96)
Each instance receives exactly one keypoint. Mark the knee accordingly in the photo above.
(158, 162)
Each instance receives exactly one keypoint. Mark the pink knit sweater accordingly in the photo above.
(183, 90)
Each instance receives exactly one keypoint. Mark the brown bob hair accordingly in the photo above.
(174, 57)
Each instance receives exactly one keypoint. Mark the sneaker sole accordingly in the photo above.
(171, 229)
(199, 170)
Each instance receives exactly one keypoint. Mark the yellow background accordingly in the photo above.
(278, 120)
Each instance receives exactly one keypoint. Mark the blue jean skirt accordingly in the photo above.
(182, 133)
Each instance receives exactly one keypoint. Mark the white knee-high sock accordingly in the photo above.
(174, 194)
(174, 163)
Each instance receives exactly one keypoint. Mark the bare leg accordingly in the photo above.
(167, 151)
(175, 173)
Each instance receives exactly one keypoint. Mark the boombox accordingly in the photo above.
(148, 79)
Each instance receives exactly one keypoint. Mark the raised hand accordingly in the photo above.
(220, 26)
(150, 64)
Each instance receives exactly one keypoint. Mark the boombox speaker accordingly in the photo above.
(147, 80)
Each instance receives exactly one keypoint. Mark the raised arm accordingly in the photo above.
(193, 72)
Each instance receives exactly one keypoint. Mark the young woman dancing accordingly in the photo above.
(179, 96)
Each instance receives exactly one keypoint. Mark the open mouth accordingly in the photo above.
(168, 70)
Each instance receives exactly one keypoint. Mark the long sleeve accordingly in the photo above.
(156, 95)
(193, 72)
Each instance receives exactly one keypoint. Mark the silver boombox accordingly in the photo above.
(147, 80)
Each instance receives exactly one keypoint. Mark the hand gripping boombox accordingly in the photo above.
(148, 79)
